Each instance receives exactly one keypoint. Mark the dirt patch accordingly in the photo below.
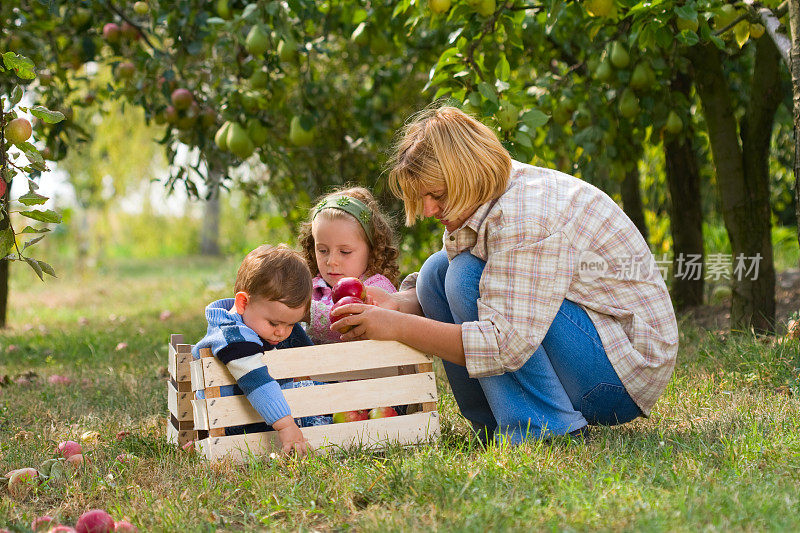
(717, 316)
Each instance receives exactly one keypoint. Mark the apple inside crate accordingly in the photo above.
(358, 375)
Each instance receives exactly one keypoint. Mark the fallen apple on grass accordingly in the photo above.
(95, 521)
(68, 448)
(42, 523)
(22, 481)
(123, 526)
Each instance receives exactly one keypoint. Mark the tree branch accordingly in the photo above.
(771, 22)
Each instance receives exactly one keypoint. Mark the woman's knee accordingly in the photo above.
(462, 286)
(430, 283)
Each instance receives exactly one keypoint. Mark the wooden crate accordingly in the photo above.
(358, 375)
(180, 424)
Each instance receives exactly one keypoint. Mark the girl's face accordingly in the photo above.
(341, 247)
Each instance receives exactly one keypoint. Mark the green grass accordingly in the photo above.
(720, 451)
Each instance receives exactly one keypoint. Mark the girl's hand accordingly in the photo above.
(368, 321)
(381, 298)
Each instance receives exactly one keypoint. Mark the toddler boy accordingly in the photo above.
(272, 294)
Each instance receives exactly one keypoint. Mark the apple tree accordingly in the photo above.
(20, 160)
(636, 68)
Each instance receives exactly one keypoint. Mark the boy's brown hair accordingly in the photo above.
(276, 273)
(383, 251)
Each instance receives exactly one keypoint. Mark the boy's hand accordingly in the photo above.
(292, 439)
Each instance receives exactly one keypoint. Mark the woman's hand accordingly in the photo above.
(381, 298)
(368, 321)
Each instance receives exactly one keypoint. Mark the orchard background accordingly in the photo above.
(169, 138)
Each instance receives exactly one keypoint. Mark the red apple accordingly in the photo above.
(3, 187)
(348, 287)
(381, 412)
(350, 416)
(42, 523)
(111, 32)
(344, 300)
(123, 526)
(68, 448)
(22, 481)
(126, 70)
(95, 521)
(61, 529)
(78, 460)
(182, 98)
(129, 31)
(18, 130)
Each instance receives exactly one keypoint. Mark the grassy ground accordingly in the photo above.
(721, 450)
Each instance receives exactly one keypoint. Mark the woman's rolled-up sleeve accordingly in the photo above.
(522, 288)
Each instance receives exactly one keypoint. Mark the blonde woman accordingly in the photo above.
(545, 303)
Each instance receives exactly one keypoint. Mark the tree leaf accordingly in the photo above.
(534, 119)
(35, 266)
(23, 66)
(29, 229)
(6, 241)
(32, 241)
(16, 95)
(47, 268)
(32, 198)
(487, 92)
(51, 117)
(43, 216)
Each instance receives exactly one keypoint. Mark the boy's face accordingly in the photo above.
(341, 248)
(271, 320)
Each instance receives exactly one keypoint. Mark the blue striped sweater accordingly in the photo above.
(240, 348)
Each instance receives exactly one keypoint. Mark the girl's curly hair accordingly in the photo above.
(383, 252)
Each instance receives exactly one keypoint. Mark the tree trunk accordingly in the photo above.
(686, 208)
(209, 239)
(745, 209)
(794, 25)
(686, 220)
(5, 266)
(632, 200)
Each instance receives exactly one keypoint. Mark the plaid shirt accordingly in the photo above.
(551, 236)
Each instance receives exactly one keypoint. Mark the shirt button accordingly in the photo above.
(452, 237)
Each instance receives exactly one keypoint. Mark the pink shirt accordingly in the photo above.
(319, 329)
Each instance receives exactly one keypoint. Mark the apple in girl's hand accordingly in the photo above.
(348, 287)
(350, 416)
(381, 412)
(344, 300)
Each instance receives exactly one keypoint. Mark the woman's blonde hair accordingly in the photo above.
(446, 147)
(383, 251)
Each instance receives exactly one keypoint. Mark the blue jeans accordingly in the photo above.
(567, 383)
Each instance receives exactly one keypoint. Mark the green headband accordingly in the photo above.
(352, 206)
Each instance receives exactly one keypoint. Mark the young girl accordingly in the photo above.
(346, 235)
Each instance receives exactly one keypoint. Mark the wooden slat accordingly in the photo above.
(324, 360)
(357, 374)
(179, 358)
(375, 434)
(179, 403)
(196, 372)
(331, 398)
(200, 414)
(179, 436)
(175, 339)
